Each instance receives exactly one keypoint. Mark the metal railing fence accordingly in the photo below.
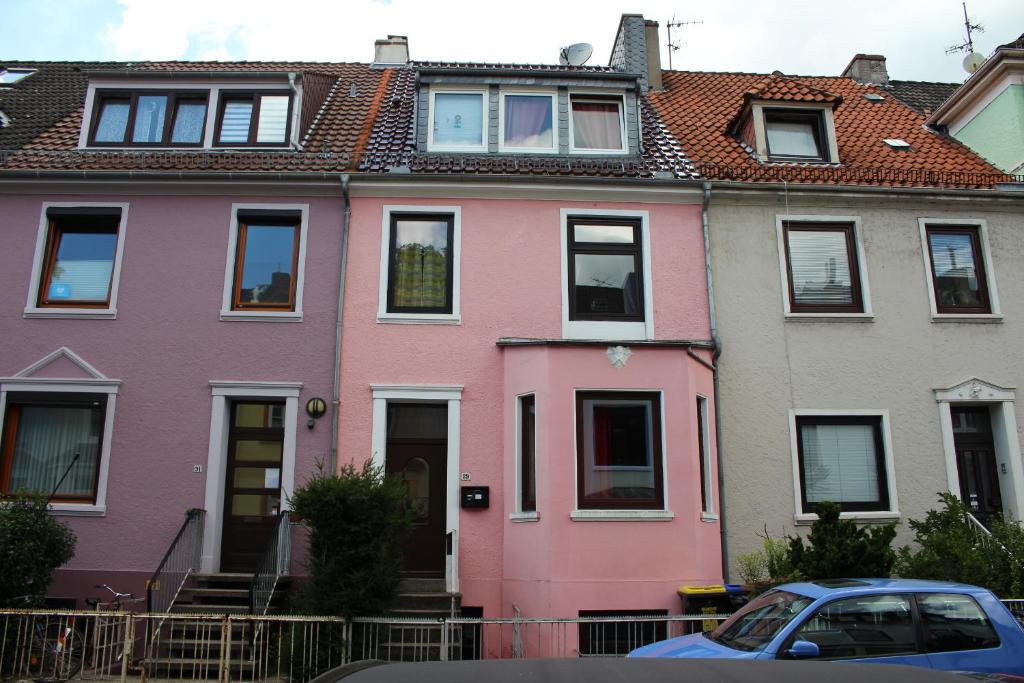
(180, 561)
(273, 566)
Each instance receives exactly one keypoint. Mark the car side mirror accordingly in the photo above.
(803, 649)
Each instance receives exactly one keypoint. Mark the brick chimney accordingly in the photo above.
(867, 69)
(390, 51)
(636, 50)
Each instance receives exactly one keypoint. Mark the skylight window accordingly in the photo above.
(897, 143)
(11, 76)
(873, 96)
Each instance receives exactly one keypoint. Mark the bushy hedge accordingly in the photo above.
(358, 520)
(33, 544)
(840, 548)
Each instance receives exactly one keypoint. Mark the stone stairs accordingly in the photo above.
(419, 599)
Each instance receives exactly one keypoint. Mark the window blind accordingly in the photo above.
(820, 267)
(840, 463)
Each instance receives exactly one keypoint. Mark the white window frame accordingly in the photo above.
(862, 270)
(32, 309)
(610, 330)
(981, 225)
(22, 74)
(484, 108)
(444, 394)
(222, 392)
(213, 110)
(893, 513)
(591, 96)
(226, 313)
(94, 383)
(627, 515)
(502, 147)
(518, 514)
(708, 513)
(453, 318)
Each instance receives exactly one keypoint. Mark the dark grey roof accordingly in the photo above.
(35, 104)
(923, 97)
(1015, 45)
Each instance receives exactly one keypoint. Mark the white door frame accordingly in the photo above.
(1001, 403)
(216, 461)
(426, 393)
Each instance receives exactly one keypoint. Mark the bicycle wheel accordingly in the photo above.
(59, 646)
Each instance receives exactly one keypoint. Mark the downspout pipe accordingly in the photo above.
(716, 354)
(332, 460)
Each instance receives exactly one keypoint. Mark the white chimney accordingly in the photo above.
(392, 50)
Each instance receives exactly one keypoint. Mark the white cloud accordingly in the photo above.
(797, 36)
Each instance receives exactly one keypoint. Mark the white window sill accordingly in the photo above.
(606, 330)
(262, 316)
(77, 510)
(621, 515)
(708, 517)
(831, 317)
(965, 318)
(524, 516)
(418, 319)
(84, 313)
(805, 519)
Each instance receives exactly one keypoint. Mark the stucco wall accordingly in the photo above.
(165, 346)
(770, 365)
(511, 285)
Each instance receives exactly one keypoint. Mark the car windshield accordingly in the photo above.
(752, 627)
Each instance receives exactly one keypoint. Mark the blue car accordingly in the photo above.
(950, 626)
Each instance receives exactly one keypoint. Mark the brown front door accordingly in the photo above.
(252, 483)
(976, 462)
(417, 452)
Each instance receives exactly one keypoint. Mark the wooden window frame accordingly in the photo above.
(853, 262)
(254, 96)
(236, 289)
(174, 98)
(605, 248)
(656, 503)
(873, 421)
(11, 424)
(980, 269)
(57, 227)
(447, 218)
(812, 116)
(527, 473)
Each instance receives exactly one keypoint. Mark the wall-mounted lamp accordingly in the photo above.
(315, 408)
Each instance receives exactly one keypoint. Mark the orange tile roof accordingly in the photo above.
(698, 107)
(783, 88)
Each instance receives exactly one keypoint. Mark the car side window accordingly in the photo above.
(954, 622)
(865, 626)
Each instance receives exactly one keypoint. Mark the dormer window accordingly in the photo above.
(527, 122)
(152, 118)
(598, 126)
(794, 135)
(253, 119)
(457, 121)
(12, 76)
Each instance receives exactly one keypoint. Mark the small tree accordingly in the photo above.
(839, 548)
(357, 520)
(950, 548)
(32, 545)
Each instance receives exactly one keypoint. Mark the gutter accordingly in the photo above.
(332, 460)
(716, 354)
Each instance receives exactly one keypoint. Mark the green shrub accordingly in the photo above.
(751, 567)
(357, 520)
(33, 544)
(951, 548)
(840, 548)
(776, 559)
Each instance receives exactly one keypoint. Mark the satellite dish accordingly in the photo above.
(576, 54)
(973, 62)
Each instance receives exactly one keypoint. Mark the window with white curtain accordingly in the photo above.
(842, 460)
(48, 437)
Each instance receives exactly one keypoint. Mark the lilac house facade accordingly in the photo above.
(495, 273)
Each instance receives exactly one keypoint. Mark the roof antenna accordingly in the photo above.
(973, 60)
(671, 24)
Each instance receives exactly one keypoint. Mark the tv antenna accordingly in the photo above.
(968, 45)
(671, 24)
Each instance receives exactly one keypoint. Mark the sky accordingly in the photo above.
(803, 37)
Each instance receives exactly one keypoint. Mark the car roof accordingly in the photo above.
(836, 587)
(615, 670)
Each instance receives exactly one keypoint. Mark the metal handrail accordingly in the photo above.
(274, 564)
(180, 561)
